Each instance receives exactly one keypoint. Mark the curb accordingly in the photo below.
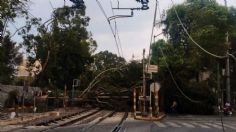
(158, 118)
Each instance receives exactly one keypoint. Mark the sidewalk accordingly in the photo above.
(23, 119)
(27, 117)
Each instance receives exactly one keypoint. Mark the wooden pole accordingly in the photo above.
(156, 102)
(64, 101)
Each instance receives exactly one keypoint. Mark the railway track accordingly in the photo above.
(85, 120)
(97, 119)
(52, 122)
(113, 122)
(118, 127)
(66, 121)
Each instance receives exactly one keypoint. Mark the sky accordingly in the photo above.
(134, 32)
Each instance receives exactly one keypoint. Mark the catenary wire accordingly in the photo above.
(114, 35)
(116, 31)
(176, 84)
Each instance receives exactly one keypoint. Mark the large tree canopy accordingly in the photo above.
(105, 60)
(63, 46)
(207, 23)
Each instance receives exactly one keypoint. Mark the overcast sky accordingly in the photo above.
(135, 32)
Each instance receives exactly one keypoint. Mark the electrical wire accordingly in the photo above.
(190, 37)
(176, 84)
(114, 35)
(116, 30)
(153, 26)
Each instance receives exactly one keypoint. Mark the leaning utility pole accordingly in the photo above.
(228, 98)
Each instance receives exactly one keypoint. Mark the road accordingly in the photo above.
(187, 123)
(182, 124)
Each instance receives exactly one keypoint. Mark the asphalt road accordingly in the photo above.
(182, 124)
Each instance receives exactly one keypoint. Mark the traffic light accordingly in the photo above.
(144, 4)
(78, 3)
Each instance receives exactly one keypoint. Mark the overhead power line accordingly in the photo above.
(176, 84)
(113, 32)
(167, 65)
(153, 26)
(190, 37)
(116, 30)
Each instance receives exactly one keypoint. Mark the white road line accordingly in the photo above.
(173, 124)
(159, 124)
(227, 125)
(201, 125)
(231, 123)
(187, 124)
(213, 125)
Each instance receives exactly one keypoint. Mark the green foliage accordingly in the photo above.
(9, 51)
(9, 58)
(10, 9)
(207, 22)
(156, 52)
(105, 60)
(64, 51)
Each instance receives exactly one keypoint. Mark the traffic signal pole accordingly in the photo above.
(144, 84)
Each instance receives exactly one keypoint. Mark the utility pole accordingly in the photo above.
(219, 90)
(228, 98)
(144, 84)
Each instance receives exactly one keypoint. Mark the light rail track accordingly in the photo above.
(52, 122)
(66, 121)
(118, 127)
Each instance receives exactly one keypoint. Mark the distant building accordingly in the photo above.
(23, 71)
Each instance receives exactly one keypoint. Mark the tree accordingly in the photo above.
(156, 52)
(105, 60)
(9, 51)
(9, 58)
(64, 50)
(210, 33)
(207, 23)
(9, 10)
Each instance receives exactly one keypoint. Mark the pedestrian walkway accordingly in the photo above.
(194, 124)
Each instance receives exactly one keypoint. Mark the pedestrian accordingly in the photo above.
(174, 107)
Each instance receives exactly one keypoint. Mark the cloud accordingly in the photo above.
(134, 32)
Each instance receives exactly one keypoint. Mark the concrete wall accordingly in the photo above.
(6, 89)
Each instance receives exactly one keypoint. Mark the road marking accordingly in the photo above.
(227, 125)
(159, 124)
(201, 125)
(187, 124)
(213, 125)
(173, 124)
